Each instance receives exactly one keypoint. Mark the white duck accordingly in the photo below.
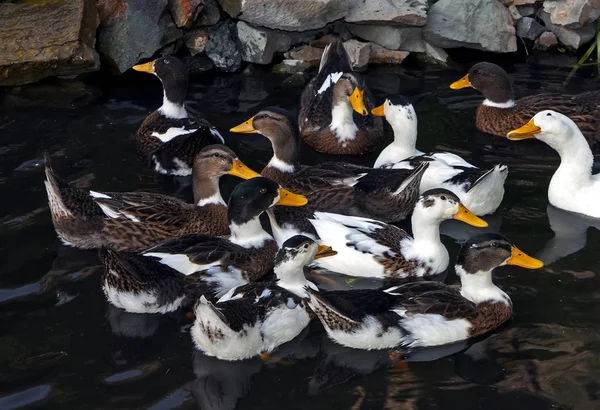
(370, 248)
(480, 190)
(573, 187)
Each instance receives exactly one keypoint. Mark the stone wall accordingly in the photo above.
(68, 37)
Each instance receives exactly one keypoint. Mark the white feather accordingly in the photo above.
(281, 165)
(215, 199)
(180, 262)
(109, 211)
(507, 104)
(139, 302)
(95, 194)
(217, 134)
(342, 122)
(329, 81)
(172, 110)
(432, 330)
(172, 133)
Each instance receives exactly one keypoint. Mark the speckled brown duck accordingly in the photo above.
(500, 113)
(421, 314)
(334, 108)
(170, 137)
(137, 220)
(384, 194)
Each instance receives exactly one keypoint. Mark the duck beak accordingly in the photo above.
(239, 169)
(324, 251)
(145, 68)
(357, 101)
(378, 111)
(520, 258)
(525, 132)
(462, 83)
(286, 198)
(245, 128)
(469, 217)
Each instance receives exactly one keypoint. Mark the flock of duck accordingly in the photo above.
(247, 287)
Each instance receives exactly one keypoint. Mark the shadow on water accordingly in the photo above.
(62, 346)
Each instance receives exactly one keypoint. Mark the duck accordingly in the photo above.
(426, 313)
(254, 319)
(480, 190)
(135, 221)
(247, 253)
(334, 108)
(387, 195)
(500, 113)
(573, 186)
(170, 137)
(370, 248)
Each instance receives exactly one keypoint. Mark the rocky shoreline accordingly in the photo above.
(72, 37)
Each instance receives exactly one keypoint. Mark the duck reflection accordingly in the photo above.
(570, 234)
(461, 232)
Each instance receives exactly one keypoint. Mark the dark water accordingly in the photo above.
(63, 346)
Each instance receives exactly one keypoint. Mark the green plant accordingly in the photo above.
(582, 61)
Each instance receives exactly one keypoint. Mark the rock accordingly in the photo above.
(199, 64)
(522, 2)
(222, 47)
(290, 15)
(132, 34)
(570, 38)
(435, 55)
(358, 53)
(526, 11)
(413, 13)
(55, 92)
(486, 26)
(323, 41)
(195, 40)
(572, 13)
(381, 55)
(393, 38)
(184, 12)
(529, 29)
(47, 39)
(311, 55)
(210, 14)
(297, 80)
(171, 33)
(259, 45)
(514, 12)
(507, 2)
(291, 67)
(547, 39)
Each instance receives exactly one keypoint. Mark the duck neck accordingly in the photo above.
(425, 230)
(499, 94)
(576, 158)
(249, 234)
(173, 109)
(290, 276)
(342, 121)
(479, 288)
(286, 148)
(206, 189)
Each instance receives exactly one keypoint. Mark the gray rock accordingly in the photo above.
(297, 80)
(223, 48)
(547, 39)
(572, 13)
(483, 25)
(290, 15)
(514, 12)
(184, 12)
(210, 14)
(134, 33)
(171, 33)
(393, 38)
(526, 11)
(47, 39)
(310, 54)
(358, 53)
(382, 55)
(291, 67)
(410, 13)
(529, 29)
(195, 40)
(259, 44)
(435, 55)
(523, 2)
(570, 38)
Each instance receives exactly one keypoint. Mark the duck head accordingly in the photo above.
(401, 116)
(549, 126)
(490, 80)
(350, 89)
(439, 204)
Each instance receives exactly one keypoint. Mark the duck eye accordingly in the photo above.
(263, 190)
(548, 115)
(495, 244)
(216, 154)
(443, 198)
(305, 246)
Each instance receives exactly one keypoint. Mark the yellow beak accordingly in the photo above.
(520, 258)
(525, 132)
(145, 68)
(378, 111)
(469, 217)
(239, 169)
(462, 83)
(286, 198)
(324, 251)
(245, 128)
(357, 101)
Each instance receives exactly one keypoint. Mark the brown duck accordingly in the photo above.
(137, 220)
(421, 314)
(170, 137)
(500, 113)
(334, 108)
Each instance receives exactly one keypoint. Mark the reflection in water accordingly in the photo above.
(461, 232)
(570, 234)
(135, 325)
(479, 364)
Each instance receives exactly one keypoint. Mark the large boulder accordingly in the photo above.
(223, 47)
(479, 24)
(47, 39)
(572, 13)
(132, 33)
(259, 44)
(392, 38)
(290, 15)
(570, 38)
(410, 13)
